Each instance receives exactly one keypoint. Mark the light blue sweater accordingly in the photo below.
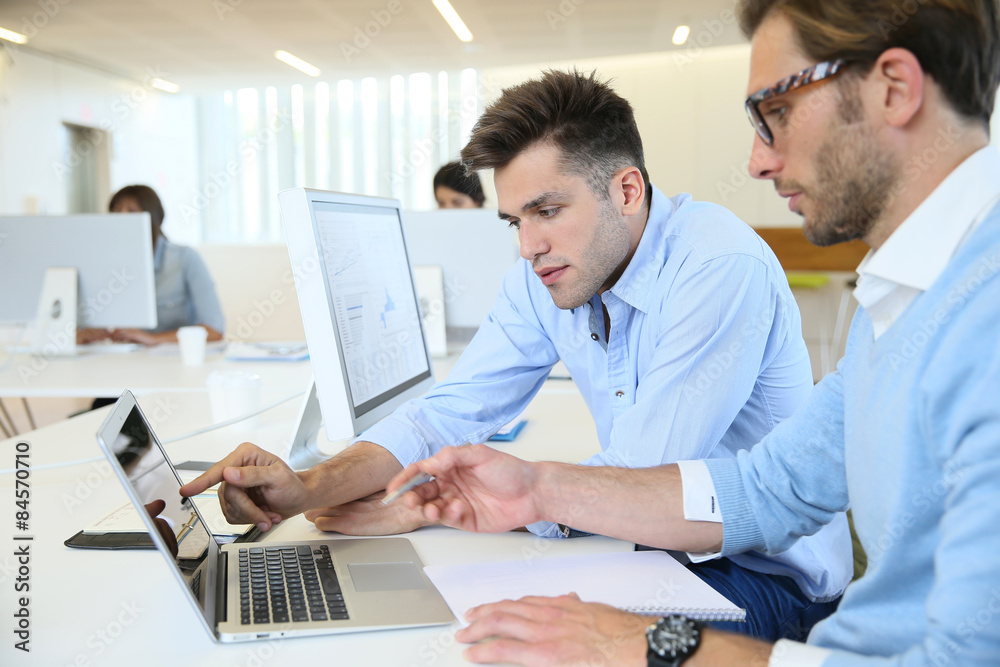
(907, 433)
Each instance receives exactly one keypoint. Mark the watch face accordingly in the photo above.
(674, 637)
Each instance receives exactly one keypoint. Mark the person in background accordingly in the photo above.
(454, 188)
(185, 292)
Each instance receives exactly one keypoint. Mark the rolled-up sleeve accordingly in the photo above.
(493, 381)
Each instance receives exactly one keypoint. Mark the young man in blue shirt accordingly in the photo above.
(673, 317)
(880, 133)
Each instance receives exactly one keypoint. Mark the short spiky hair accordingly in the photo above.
(593, 127)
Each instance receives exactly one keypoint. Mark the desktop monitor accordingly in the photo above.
(111, 253)
(359, 310)
(474, 249)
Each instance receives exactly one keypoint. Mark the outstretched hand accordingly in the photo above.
(257, 487)
(475, 488)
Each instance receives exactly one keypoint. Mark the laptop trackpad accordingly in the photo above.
(385, 577)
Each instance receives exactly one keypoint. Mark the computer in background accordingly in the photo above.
(265, 590)
(360, 314)
(474, 249)
(76, 271)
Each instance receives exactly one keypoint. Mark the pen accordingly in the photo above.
(411, 483)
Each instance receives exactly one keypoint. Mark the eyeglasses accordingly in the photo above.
(817, 72)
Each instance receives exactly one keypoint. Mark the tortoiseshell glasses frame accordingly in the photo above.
(817, 72)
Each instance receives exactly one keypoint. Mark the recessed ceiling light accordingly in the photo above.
(12, 36)
(297, 63)
(165, 86)
(681, 34)
(453, 19)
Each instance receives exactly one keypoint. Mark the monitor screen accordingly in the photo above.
(474, 248)
(373, 301)
(154, 489)
(144, 463)
(360, 313)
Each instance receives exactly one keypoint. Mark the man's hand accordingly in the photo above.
(476, 488)
(257, 487)
(368, 516)
(555, 631)
(566, 631)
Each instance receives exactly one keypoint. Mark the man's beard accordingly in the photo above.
(600, 260)
(855, 179)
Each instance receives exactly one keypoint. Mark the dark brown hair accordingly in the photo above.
(146, 198)
(956, 41)
(454, 176)
(593, 127)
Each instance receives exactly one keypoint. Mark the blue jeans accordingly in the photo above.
(776, 606)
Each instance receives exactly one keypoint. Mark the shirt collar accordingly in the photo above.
(633, 287)
(919, 250)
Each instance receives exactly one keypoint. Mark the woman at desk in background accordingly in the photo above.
(453, 188)
(185, 292)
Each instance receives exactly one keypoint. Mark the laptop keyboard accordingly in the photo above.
(196, 585)
(289, 584)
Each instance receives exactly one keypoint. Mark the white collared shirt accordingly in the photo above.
(917, 252)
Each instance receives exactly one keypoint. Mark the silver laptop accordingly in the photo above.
(263, 590)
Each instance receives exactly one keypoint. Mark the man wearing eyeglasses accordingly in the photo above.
(878, 129)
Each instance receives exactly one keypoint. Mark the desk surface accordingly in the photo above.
(123, 608)
(144, 371)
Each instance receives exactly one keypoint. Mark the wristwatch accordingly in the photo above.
(672, 640)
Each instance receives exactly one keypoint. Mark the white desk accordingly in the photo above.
(123, 608)
(143, 371)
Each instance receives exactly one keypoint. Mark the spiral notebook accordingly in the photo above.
(644, 582)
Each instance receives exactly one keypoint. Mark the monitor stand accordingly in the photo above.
(55, 321)
(304, 450)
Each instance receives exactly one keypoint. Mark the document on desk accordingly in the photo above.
(280, 351)
(174, 349)
(645, 582)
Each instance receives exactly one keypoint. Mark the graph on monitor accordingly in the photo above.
(359, 311)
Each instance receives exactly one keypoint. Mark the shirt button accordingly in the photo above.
(593, 336)
(619, 393)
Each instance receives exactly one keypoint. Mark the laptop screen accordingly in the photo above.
(155, 485)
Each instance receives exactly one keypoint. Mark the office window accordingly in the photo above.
(375, 136)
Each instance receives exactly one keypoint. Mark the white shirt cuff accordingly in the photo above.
(787, 653)
(700, 501)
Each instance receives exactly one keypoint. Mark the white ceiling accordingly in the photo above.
(208, 44)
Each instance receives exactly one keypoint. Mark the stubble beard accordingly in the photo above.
(855, 179)
(607, 249)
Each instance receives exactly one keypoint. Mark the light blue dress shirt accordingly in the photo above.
(185, 291)
(704, 357)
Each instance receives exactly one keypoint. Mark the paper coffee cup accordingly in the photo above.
(234, 394)
(192, 341)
